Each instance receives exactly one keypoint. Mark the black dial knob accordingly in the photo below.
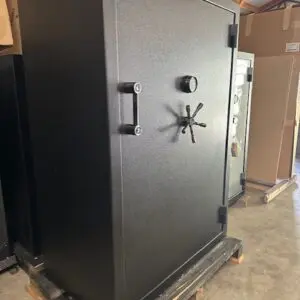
(189, 84)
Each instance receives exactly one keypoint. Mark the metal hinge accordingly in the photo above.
(233, 35)
(243, 179)
(223, 216)
(250, 74)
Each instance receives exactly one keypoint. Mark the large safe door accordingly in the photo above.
(177, 54)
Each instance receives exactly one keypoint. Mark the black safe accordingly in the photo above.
(128, 108)
(16, 161)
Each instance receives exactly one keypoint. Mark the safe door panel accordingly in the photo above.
(239, 127)
(172, 187)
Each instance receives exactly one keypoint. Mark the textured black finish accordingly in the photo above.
(66, 91)
(121, 215)
(16, 166)
(165, 183)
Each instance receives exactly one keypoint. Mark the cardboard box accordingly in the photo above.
(271, 33)
(6, 39)
(274, 118)
(291, 125)
(13, 12)
(269, 104)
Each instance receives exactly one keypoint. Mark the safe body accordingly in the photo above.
(124, 215)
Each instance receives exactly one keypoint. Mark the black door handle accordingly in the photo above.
(134, 88)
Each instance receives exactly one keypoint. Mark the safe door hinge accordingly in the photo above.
(250, 74)
(223, 215)
(243, 179)
(233, 35)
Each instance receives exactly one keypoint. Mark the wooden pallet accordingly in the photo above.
(271, 191)
(199, 294)
(34, 292)
(41, 288)
(188, 287)
(274, 191)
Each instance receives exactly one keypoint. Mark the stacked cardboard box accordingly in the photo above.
(10, 36)
(274, 37)
(6, 39)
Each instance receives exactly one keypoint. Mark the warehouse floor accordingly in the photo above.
(271, 269)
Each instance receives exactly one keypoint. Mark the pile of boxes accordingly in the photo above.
(274, 38)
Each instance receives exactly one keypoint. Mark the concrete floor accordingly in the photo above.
(271, 269)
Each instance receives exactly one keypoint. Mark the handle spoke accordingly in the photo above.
(188, 111)
(192, 134)
(200, 105)
(200, 124)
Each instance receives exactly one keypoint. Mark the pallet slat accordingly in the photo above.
(194, 279)
(34, 292)
(273, 192)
